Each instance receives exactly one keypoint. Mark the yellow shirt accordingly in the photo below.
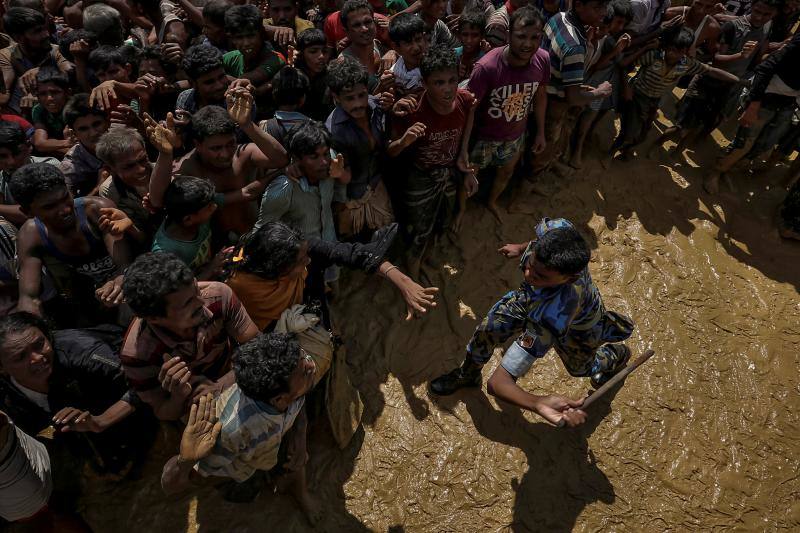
(300, 25)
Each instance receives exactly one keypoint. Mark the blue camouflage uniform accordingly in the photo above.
(570, 318)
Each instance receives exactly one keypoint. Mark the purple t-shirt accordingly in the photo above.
(505, 93)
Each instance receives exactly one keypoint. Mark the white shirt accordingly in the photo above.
(38, 398)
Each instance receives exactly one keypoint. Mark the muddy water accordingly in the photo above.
(705, 436)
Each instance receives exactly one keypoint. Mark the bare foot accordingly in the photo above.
(711, 183)
(494, 209)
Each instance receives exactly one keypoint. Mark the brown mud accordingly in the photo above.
(705, 436)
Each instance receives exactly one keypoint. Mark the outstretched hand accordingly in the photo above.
(417, 298)
(114, 222)
(240, 105)
(201, 431)
(163, 136)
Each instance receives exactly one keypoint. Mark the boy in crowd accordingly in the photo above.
(124, 156)
(509, 82)
(52, 90)
(179, 347)
(206, 72)
(358, 129)
(498, 24)
(407, 32)
(213, 16)
(565, 38)
(19, 63)
(312, 59)
(289, 91)
(434, 137)
(659, 71)
(252, 58)
(742, 41)
(64, 235)
(15, 153)
(257, 426)
(305, 203)
(471, 32)
(232, 167)
(557, 306)
(80, 165)
(609, 43)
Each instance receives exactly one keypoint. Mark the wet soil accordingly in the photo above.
(705, 436)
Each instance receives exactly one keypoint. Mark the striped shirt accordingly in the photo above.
(250, 437)
(566, 41)
(655, 77)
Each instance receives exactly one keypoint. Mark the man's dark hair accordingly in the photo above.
(263, 365)
(271, 250)
(37, 5)
(438, 58)
(211, 120)
(682, 38)
(103, 57)
(72, 36)
(154, 53)
(19, 322)
(475, 19)
(525, 16)
(12, 136)
(289, 86)
(775, 4)
(305, 138)
(18, 20)
(310, 37)
(201, 59)
(404, 27)
(621, 8)
(243, 20)
(345, 73)
(78, 106)
(150, 279)
(50, 74)
(186, 195)
(563, 250)
(352, 6)
(215, 11)
(33, 179)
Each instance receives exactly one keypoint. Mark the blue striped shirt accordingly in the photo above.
(250, 437)
(565, 39)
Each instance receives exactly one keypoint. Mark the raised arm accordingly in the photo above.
(165, 139)
(240, 108)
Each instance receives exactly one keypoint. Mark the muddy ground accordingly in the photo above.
(706, 436)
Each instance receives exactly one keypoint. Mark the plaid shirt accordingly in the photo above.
(208, 354)
(250, 438)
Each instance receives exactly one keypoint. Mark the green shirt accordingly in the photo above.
(194, 253)
(53, 124)
(234, 63)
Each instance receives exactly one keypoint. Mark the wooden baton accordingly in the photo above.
(613, 381)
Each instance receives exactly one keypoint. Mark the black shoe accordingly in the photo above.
(618, 361)
(371, 254)
(467, 375)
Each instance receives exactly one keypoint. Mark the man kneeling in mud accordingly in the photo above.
(558, 306)
(255, 429)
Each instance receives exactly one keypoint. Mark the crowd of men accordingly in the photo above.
(181, 182)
